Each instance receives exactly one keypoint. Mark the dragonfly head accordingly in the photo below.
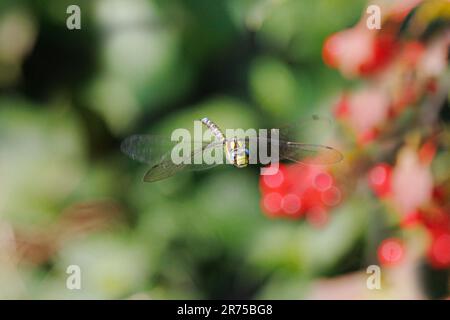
(238, 153)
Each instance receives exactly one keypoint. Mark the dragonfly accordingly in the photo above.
(156, 151)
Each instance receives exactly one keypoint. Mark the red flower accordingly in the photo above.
(341, 109)
(391, 252)
(367, 136)
(439, 195)
(427, 152)
(347, 50)
(411, 219)
(439, 250)
(412, 182)
(358, 51)
(380, 179)
(298, 189)
(330, 50)
(412, 52)
(437, 221)
(383, 49)
(364, 111)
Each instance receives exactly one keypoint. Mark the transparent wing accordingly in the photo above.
(314, 128)
(166, 168)
(306, 153)
(151, 149)
(146, 148)
(309, 153)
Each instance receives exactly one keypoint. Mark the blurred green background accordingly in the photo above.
(69, 196)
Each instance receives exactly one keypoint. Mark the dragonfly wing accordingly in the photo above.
(167, 168)
(146, 148)
(306, 153)
(309, 153)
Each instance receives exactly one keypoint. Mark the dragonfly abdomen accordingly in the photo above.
(214, 129)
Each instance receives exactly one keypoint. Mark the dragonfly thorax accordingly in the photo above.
(235, 150)
(237, 153)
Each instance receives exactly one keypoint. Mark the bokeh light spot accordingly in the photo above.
(331, 197)
(275, 180)
(390, 252)
(440, 250)
(378, 175)
(291, 203)
(272, 202)
(322, 181)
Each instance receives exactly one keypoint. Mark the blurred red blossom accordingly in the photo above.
(412, 74)
(439, 250)
(403, 71)
(391, 252)
(365, 111)
(358, 51)
(408, 185)
(412, 182)
(427, 152)
(437, 221)
(380, 179)
(298, 189)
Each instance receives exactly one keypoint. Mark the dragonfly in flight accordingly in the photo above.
(156, 151)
